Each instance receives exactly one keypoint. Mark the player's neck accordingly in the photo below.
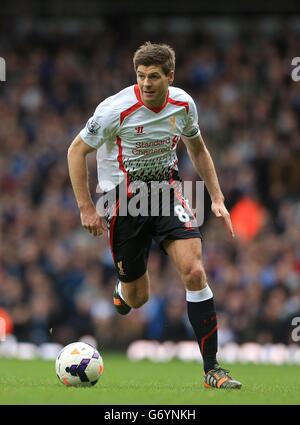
(155, 103)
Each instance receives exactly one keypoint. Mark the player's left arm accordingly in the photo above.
(204, 166)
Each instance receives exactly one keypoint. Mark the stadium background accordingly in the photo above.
(62, 60)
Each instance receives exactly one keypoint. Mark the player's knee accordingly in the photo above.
(194, 276)
(138, 297)
(139, 300)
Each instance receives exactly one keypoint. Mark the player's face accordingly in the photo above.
(153, 84)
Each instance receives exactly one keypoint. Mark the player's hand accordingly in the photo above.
(219, 209)
(92, 221)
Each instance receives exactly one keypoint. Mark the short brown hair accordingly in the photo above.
(155, 54)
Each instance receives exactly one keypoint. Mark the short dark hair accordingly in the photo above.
(155, 54)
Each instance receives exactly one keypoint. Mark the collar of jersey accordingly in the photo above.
(139, 98)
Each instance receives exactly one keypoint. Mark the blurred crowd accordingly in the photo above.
(56, 280)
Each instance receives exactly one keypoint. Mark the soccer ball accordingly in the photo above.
(79, 365)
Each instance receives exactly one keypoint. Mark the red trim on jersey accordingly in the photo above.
(112, 227)
(138, 93)
(123, 115)
(121, 163)
(120, 155)
(168, 100)
(139, 98)
(129, 111)
(179, 103)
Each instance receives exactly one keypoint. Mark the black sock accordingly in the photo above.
(203, 319)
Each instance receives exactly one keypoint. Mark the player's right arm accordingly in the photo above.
(78, 172)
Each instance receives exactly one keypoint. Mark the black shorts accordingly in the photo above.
(131, 236)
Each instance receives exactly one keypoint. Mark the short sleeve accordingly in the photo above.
(101, 127)
(191, 129)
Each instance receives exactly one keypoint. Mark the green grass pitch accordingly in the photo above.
(125, 382)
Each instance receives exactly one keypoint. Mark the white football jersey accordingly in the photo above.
(136, 141)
